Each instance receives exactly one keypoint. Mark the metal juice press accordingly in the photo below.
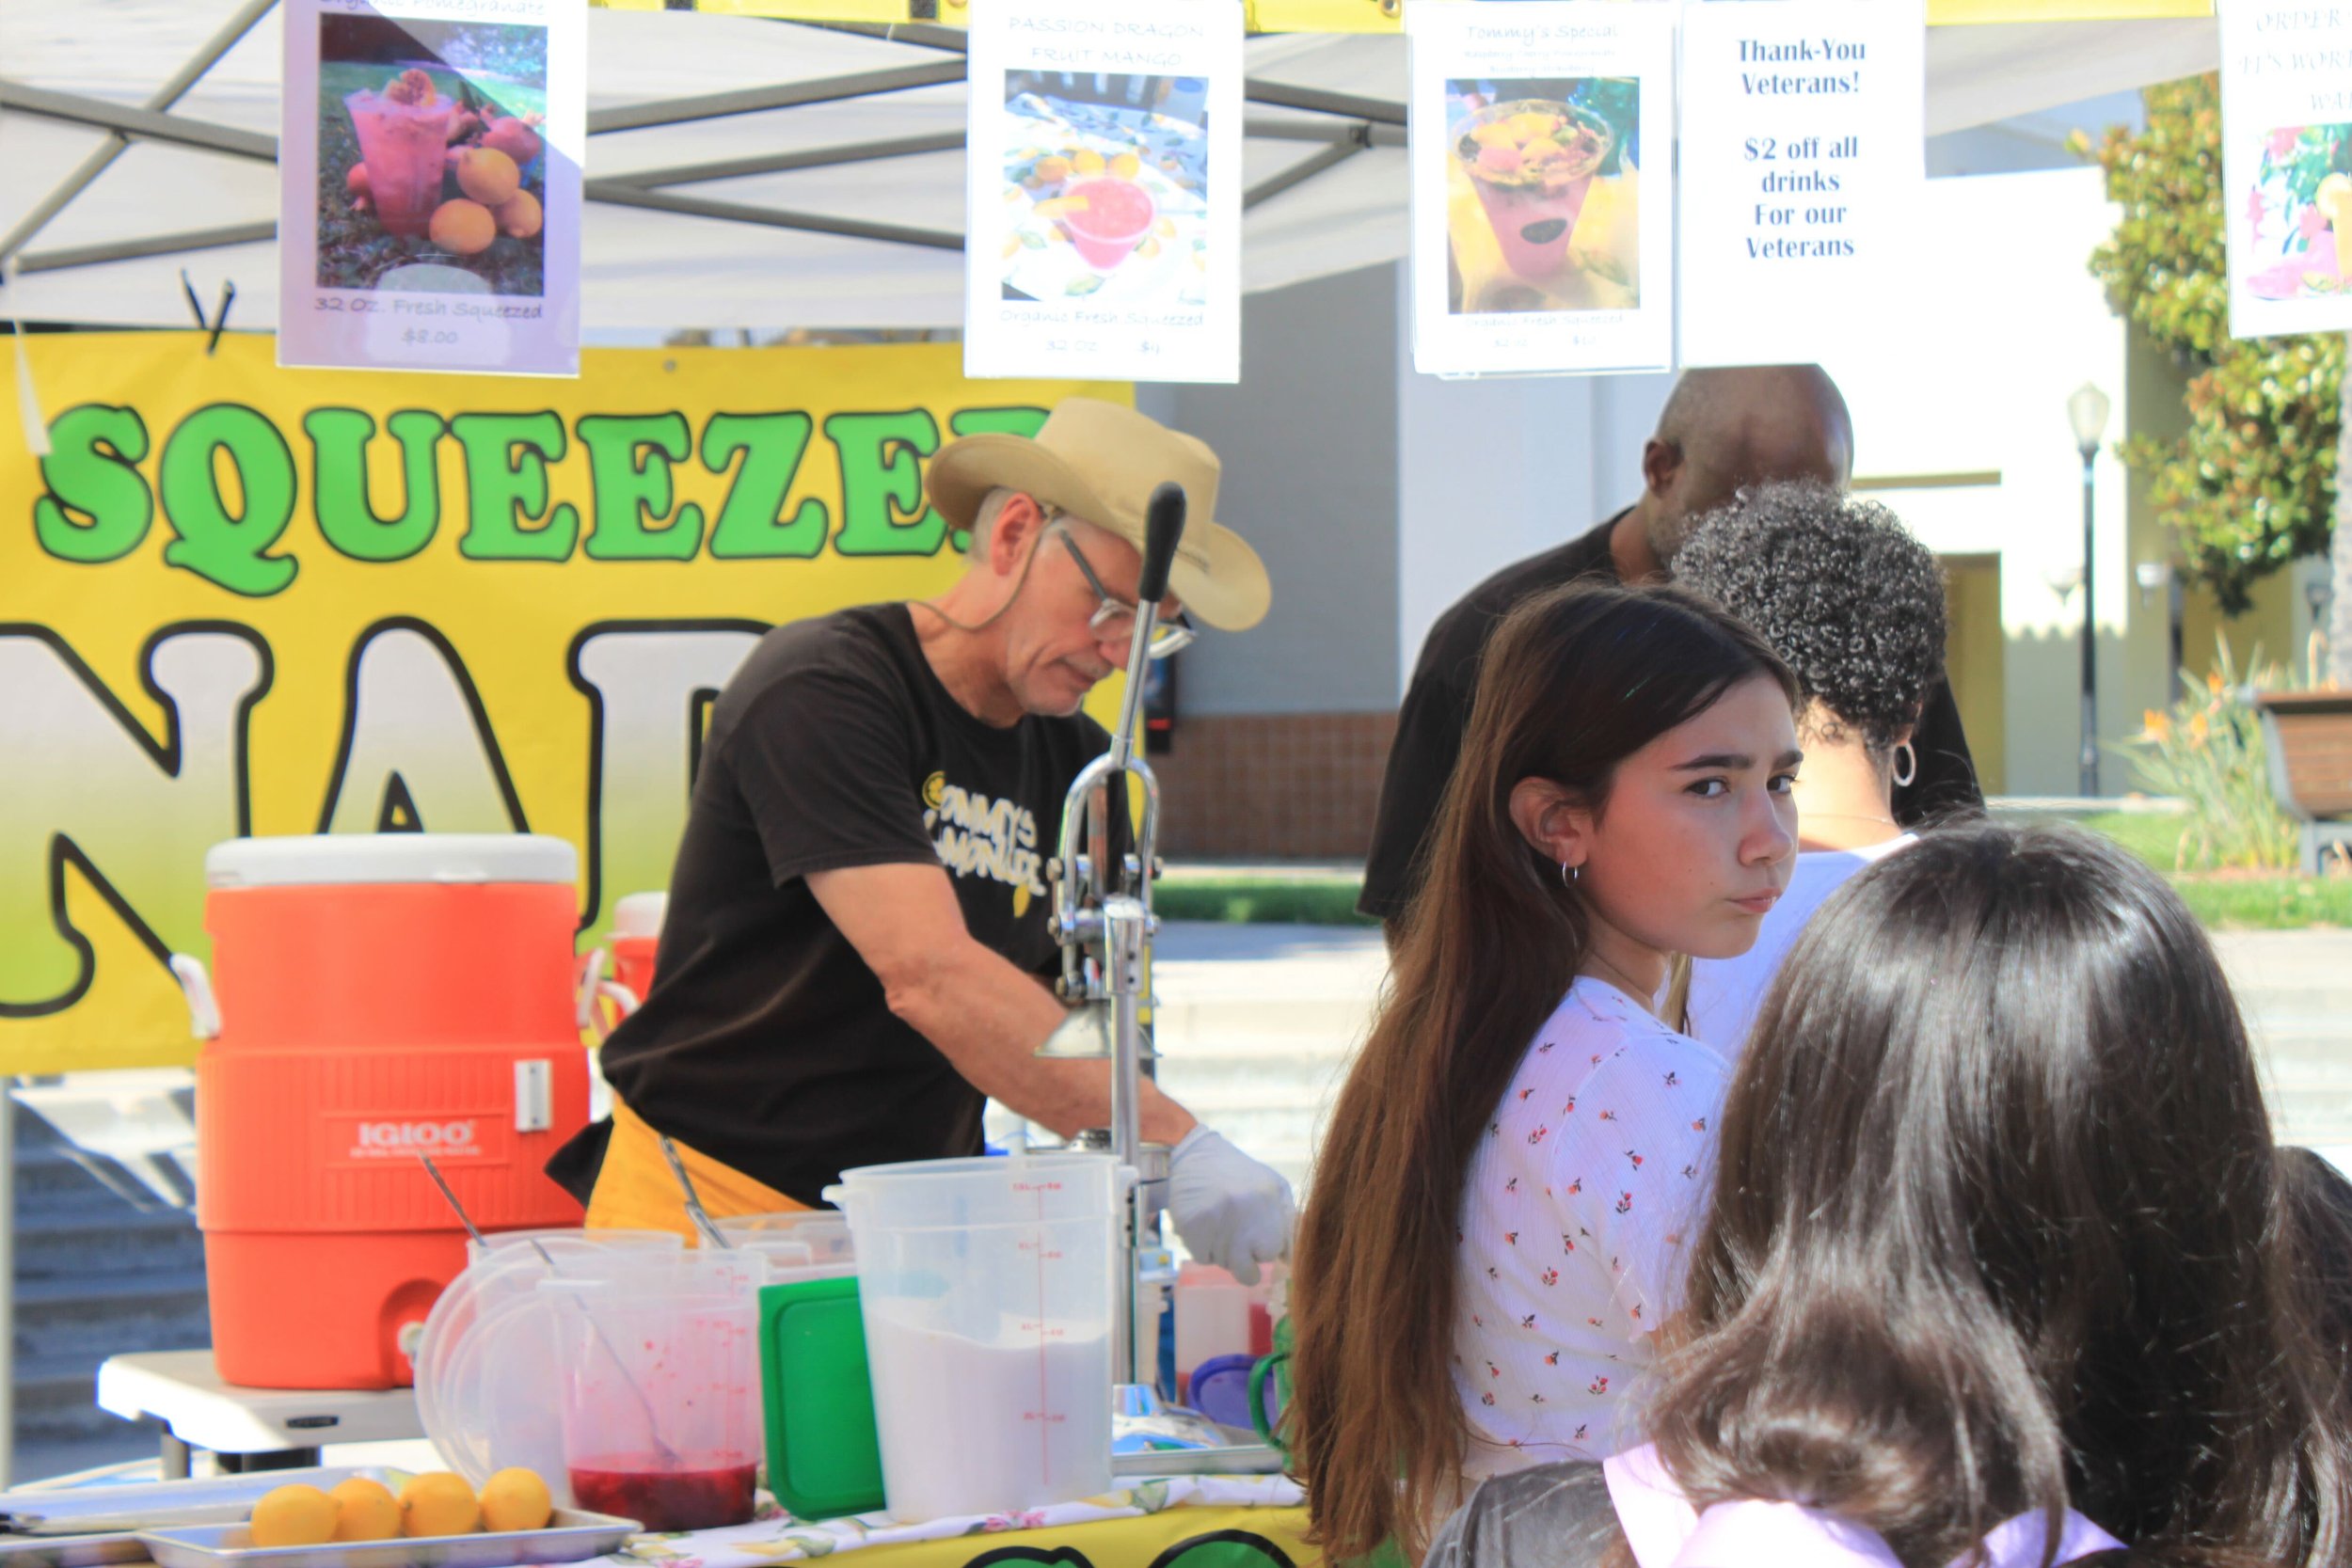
(1103, 919)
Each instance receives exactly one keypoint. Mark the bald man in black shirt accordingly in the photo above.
(1720, 430)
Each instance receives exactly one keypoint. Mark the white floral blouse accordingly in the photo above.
(1579, 1198)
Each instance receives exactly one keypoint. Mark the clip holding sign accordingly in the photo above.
(219, 323)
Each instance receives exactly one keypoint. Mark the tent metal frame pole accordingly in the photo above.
(1301, 171)
(620, 193)
(103, 156)
(146, 246)
(922, 35)
(138, 124)
(1364, 132)
(1282, 95)
(784, 163)
(752, 101)
(1374, 124)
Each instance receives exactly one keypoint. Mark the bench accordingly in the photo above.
(2307, 736)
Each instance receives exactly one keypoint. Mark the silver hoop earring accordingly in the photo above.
(1570, 874)
(1906, 764)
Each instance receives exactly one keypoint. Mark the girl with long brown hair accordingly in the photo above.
(1998, 1256)
(1497, 1203)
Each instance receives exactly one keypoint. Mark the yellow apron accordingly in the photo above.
(636, 1189)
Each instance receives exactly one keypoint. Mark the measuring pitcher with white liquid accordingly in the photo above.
(986, 1291)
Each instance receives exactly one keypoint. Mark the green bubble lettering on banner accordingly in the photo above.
(506, 481)
(98, 507)
(339, 481)
(229, 548)
(1012, 420)
(883, 511)
(752, 525)
(628, 464)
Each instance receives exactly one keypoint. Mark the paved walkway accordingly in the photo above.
(1259, 1024)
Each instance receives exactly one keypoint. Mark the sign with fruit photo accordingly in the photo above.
(2286, 167)
(432, 186)
(1105, 198)
(1542, 187)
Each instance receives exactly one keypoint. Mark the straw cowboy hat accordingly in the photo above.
(1100, 463)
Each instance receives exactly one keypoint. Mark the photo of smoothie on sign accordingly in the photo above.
(2299, 213)
(1542, 195)
(431, 163)
(1106, 179)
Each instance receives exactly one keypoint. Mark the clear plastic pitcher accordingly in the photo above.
(986, 1291)
(661, 1390)
(485, 1379)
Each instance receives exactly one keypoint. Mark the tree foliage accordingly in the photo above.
(2251, 485)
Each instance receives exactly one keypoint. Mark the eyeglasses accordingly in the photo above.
(1114, 618)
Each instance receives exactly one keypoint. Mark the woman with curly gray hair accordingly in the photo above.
(1854, 602)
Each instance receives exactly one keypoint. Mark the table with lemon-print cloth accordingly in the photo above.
(1185, 1522)
(1603, 270)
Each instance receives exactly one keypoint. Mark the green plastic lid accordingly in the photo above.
(823, 1458)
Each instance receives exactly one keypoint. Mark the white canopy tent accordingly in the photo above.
(751, 174)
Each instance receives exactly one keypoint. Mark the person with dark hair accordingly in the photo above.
(1998, 1254)
(1854, 602)
(1500, 1195)
(1721, 430)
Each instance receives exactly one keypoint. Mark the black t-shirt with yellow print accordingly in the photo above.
(765, 1042)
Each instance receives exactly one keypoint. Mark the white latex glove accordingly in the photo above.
(1231, 1211)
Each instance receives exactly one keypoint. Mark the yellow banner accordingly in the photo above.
(239, 599)
(1386, 16)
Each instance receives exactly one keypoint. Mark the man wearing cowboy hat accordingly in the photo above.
(857, 938)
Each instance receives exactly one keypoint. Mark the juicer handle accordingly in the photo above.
(594, 988)
(1163, 526)
(624, 1003)
(203, 1011)
(591, 977)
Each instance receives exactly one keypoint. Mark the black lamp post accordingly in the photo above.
(2087, 410)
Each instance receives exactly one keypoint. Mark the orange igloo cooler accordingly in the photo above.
(374, 996)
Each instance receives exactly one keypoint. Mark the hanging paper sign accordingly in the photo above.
(2286, 166)
(1542, 158)
(1104, 210)
(429, 161)
(1804, 165)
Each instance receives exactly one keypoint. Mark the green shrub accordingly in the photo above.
(2207, 749)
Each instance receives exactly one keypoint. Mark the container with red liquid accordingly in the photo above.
(1106, 220)
(1532, 162)
(405, 146)
(661, 1396)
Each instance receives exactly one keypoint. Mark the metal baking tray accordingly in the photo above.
(1244, 1454)
(571, 1536)
(84, 1526)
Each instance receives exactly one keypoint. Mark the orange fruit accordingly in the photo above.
(465, 228)
(515, 1498)
(519, 214)
(438, 1503)
(364, 1511)
(488, 175)
(294, 1516)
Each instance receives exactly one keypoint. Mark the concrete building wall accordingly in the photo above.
(1308, 443)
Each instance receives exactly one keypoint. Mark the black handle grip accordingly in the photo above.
(1163, 526)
